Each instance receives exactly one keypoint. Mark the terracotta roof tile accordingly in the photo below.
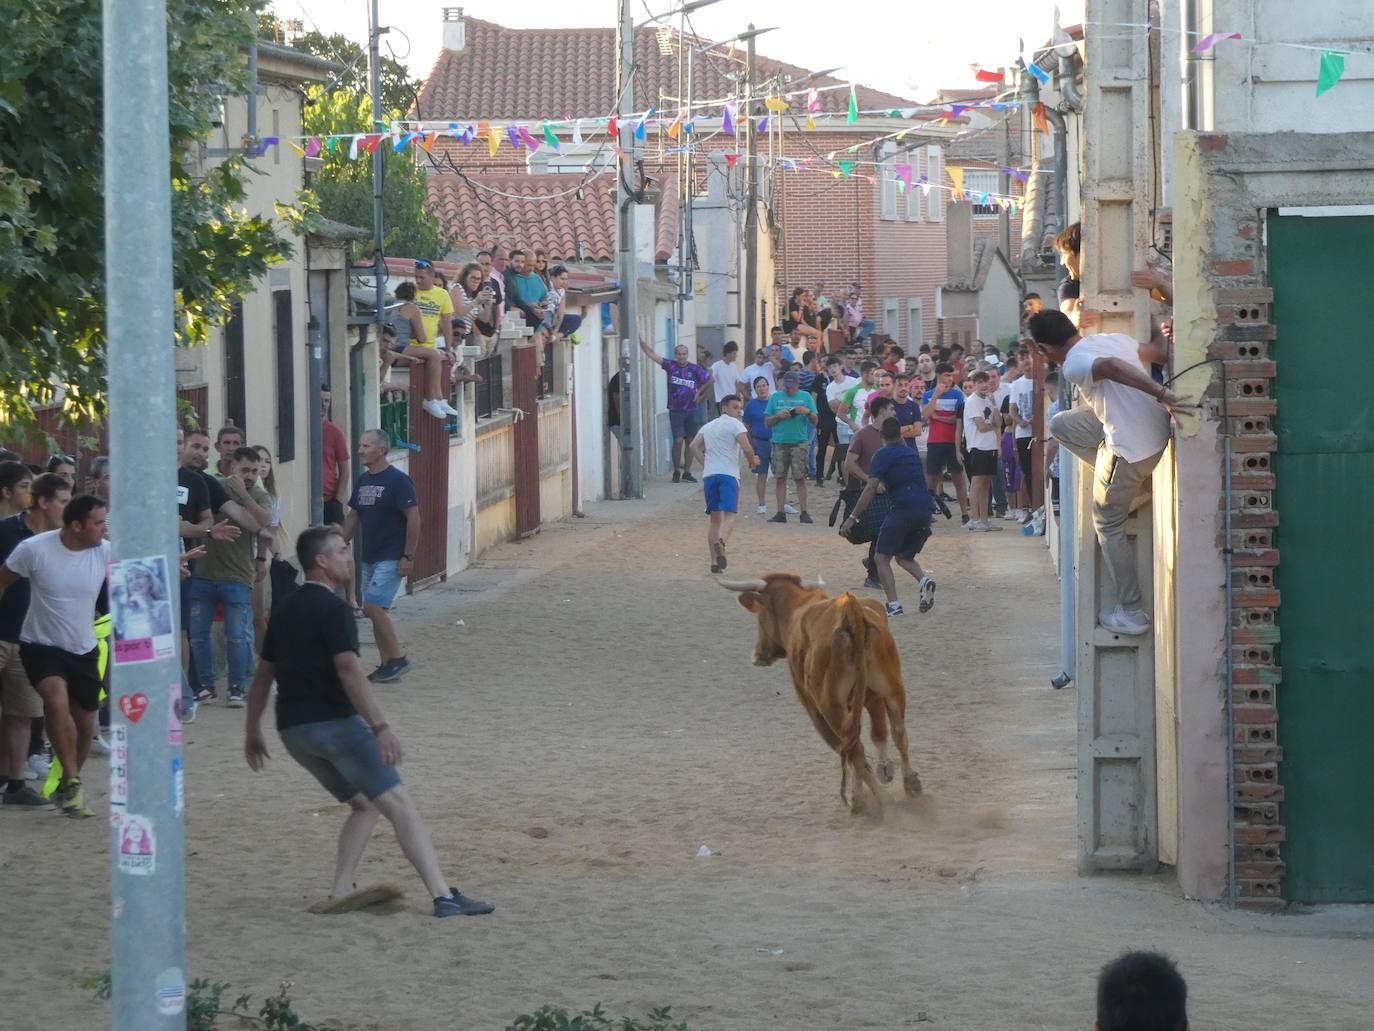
(542, 73)
(570, 217)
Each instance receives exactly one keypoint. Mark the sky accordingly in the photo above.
(912, 54)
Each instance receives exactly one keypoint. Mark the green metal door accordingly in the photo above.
(1323, 280)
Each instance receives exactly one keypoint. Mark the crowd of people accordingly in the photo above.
(432, 318)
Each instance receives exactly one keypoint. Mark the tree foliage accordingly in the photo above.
(343, 185)
(52, 246)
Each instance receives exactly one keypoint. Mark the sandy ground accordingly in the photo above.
(592, 722)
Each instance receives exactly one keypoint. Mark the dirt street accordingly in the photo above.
(594, 720)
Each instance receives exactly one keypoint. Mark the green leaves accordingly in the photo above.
(52, 246)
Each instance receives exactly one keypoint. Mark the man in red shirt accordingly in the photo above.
(942, 409)
(335, 480)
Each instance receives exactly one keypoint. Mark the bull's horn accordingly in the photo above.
(811, 585)
(743, 585)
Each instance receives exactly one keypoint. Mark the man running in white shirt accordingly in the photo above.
(718, 446)
(66, 570)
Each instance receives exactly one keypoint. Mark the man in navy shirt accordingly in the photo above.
(385, 506)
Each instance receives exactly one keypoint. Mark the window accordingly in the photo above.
(488, 395)
(286, 375)
(979, 181)
(887, 183)
(235, 391)
(914, 330)
(395, 416)
(914, 195)
(891, 314)
(935, 172)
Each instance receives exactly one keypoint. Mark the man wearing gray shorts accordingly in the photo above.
(331, 724)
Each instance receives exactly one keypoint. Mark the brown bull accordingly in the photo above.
(843, 661)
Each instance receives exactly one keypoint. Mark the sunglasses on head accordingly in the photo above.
(424, 264)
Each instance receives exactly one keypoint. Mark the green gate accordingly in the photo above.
(1321, 271)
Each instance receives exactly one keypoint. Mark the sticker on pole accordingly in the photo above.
(171, 992)
(143, 629)
(137, 849)
(174, 715)
(178, 786)
(119, 765)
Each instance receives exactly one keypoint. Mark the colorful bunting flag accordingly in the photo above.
(613, 127)
(298, 149)
(427, 139)
(810, 122)
(728, 121)
(763, 124)
(955, 110)
(1042, 124)
(813, 102)
(312, 146)
(529, 141)
(775, 104)
(983, 75)
(353, 147)
(956, 175)
(1330, 70)
(853, 105)
(577, 132)
(1210, 40)
(1041, 76)
(675, 127)
(549, 136)
(730, 159)
(847, 167)
(903, 175)
(493, 141)
(513, 135)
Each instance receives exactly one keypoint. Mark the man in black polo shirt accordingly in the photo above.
(331, 724)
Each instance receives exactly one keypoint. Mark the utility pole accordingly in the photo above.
(147, 851)
(751, 214)
(315, 363)
(378, 175)
(631, 424)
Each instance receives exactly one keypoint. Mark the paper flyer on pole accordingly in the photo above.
(142, 611)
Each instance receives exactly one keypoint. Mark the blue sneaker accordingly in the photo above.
(455, 903)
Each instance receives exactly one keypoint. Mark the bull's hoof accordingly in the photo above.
(887, 771)
(912, 785)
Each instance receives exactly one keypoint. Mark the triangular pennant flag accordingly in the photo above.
(985, 75)
(332, 144)
(1016, 174)
(577, 132)
(813, 102)
(513, 135)
(728, 121)
(689, 127)
(402, 140)
(908, 112)
(529, 141)
(1042, 124)
(1041, 76)
(925, 188)
(853, 115)
(372, 141)
(955, 110)
(549, 137)
(847, 167)
(903, 175)
(298, 149)
(1330, 70)
(639, 129)
(493, 141)
(775, 104)
(675, 126)
(983, 199)
(730, 159)
(894, 113)
(763, 124)
(312, 146)
(427, 139)
(901, 186)
(353, 147)
(902, 135)
(837, 173)
(810, 122)
(1210, 40)
(956, 175)
(613, 127)
(831, 156)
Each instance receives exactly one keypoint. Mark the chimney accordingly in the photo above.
(455, 29)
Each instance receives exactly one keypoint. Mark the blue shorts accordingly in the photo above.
(343, 756)
(722, 493)
(764, 449)
(685, 425)
(903, 534)
(381, 581)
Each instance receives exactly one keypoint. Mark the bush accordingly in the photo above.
(205, 1005)
(550, 1018)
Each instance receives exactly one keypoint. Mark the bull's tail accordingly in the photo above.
(853, 631)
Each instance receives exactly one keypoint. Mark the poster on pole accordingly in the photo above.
(142, 610)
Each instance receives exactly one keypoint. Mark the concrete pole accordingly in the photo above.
(149, 927)
(751, 210)
(631, 422)
(315, 363)
(378, 177)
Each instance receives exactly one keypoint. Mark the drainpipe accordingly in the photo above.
(253, 93)
(1196, 67)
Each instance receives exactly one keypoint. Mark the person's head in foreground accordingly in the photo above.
(1052, 331)
(1141, 991)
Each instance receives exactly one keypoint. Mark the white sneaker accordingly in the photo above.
(1125, 621)
(927, 593)
(989, 527)
(789, 510)
(100, 745)
(40, 764)
(763, 510)
(435, 408)
(449, 408)
(973, 525)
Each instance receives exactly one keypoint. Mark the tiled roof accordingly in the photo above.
(570, 217)
(544, 73)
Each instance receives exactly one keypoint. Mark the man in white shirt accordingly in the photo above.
(718, 446)
(1121, 430)
(763, 366)
(725, 374)
(66, 570)
(1020, 413)
(982, 435)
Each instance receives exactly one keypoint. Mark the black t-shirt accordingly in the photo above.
(1068, 290)
(14, 606)
(219, 497)
(310, 626)
(193, 496)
